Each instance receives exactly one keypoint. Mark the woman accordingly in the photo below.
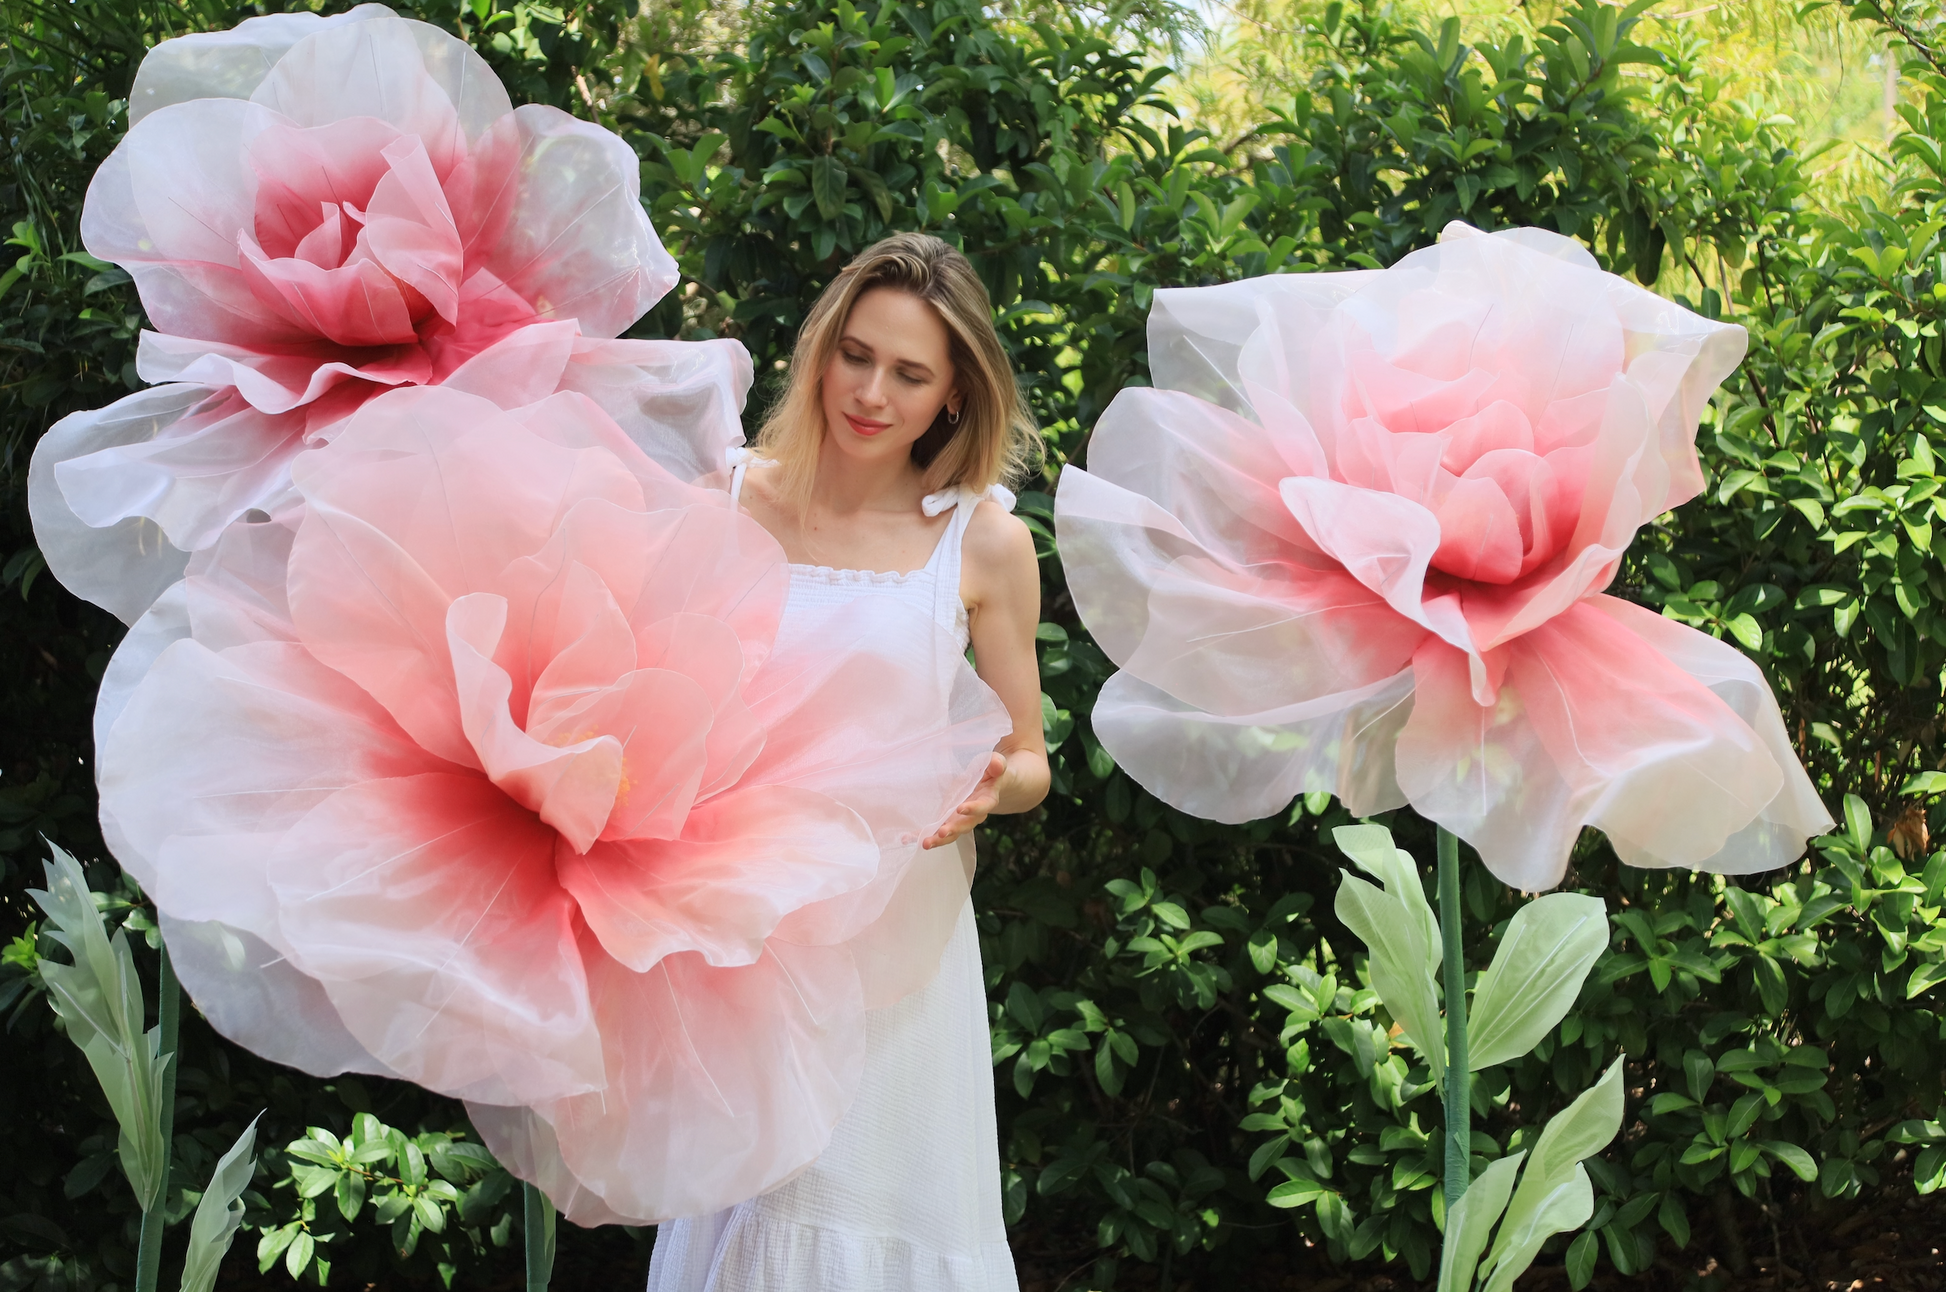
(879, 474)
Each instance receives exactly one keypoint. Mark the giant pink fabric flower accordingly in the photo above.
(1356, 541)
(486, 764)
(315, 210)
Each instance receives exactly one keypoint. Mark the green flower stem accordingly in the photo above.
(148, 1256)
(540, 1238)
(1459, 1080)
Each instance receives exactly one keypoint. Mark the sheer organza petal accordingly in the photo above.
(1245, 767)
(745, 860)
(194, 476)
(1796, 813)
(693, 1114)
(680, 401)
(1231, 639)
(124, 566)
(429, 908)
(408, 74)
(1597, 725)
(576, 243)
(227, 64)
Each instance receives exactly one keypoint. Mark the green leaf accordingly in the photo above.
(1470, 1222)
(1536, 975)
(828, 186)
(1858, 823)
(219, 1213)
(99, 999)
(1793, 1157)
(1398, 964)
(1554, 1193)
(1582, 1253)
(1399, 928)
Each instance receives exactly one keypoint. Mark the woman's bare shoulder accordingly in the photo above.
(999, 546)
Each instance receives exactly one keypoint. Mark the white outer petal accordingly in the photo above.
(123, 567)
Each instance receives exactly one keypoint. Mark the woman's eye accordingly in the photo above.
(856, 360)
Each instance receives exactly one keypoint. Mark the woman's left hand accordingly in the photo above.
(984, 798)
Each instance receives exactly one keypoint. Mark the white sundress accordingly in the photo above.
(906, 1198)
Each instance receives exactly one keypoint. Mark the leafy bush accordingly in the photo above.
(1193, 1071)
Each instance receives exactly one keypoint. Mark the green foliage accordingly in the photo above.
(434, 1188)
(1193, 1067)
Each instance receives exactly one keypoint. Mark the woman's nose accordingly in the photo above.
(874, 388)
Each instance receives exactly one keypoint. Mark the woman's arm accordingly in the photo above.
(1001, 585)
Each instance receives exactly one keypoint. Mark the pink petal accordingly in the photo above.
(222, 64)
(409, 229)
(572, 787)
(1596, 727)
(215, 756)
(305, 174)
(1479, 533)
(1385, 542)
(280, 378)
(1245, 767)
(697, 1113)
(358, 304)
(1776, 837)
(572, 237)
(745, 859)
(679, 401)
(428, 908)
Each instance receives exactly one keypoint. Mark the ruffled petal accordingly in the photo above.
(1597, 725)
(745, 860)
(1776, 836)
(123, 566)
(681, 402)
(699, 1111)
(167, 206)
(428, 907)
(255, 997)
(226, 64)
(408, 74)
(197, 474)
(1221, 637)
(570, 236)
(1248, 766)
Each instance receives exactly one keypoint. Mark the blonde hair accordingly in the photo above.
(994, 439)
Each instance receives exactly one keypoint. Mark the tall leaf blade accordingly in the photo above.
(1547, 1185)
(1471, 1220)
(1566, 1206)
(1398, 963)
(219, 1213)
(1536, 975)
(1371, 847)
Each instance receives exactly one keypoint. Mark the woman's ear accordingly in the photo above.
(954, 402)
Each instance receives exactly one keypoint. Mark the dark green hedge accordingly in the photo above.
(1180, 1026)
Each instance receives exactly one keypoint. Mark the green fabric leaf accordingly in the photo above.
(1471, 1220)
(1554, 1193)
(219, 1213)
(1536, 975)
(1398, 963)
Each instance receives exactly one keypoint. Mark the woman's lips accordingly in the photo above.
(864, 426)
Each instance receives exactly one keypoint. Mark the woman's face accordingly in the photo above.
(890, 376)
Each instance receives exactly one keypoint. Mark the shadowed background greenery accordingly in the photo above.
(1196, 1083)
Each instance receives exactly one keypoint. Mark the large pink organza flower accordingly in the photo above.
(1356, 542)
(316, 210)
(493, 763)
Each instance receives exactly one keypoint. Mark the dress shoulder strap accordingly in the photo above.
(738, 458)
(946, 603)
